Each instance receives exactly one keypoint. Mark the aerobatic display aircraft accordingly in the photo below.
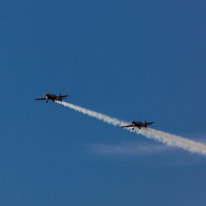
(53, 97)
(139, 124)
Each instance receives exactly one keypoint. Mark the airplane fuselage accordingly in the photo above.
(139, 124)
(53, 97)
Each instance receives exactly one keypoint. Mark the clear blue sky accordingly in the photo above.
(133, 60)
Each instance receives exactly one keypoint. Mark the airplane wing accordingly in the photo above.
(149, 123)
(40, 99)
(60, 97)
(127, 126)
(63, 96)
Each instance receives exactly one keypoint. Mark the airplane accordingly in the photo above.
(139, 124)
(53, 97)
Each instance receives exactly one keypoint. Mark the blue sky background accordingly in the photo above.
(133, 60)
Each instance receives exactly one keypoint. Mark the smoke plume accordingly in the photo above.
(166, 138)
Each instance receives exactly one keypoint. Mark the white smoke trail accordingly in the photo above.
(166, 138)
